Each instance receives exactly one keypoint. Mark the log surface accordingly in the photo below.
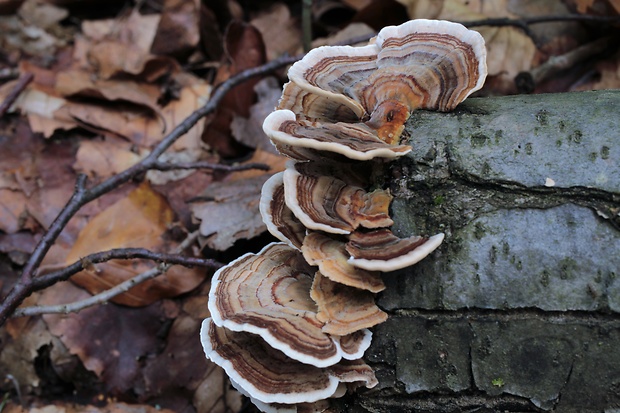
(519, 309)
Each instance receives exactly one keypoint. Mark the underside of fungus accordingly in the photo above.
(289, 324)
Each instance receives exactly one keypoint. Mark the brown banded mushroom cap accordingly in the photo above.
(421, 64)
(268, 375)
(316, 106)
(327, 203)
(353, 140)
(268, 294)
(343, 309)
(381, 250)
(279, 219)
(354, 345)
(332, 258)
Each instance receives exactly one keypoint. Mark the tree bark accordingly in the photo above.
(519, 309)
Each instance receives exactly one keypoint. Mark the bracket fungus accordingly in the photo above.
(290, 324)
(355, 100)
(333, 261)
(328, 203)
(268, 294)
(381, 250)
(278, 218)
(269, 376)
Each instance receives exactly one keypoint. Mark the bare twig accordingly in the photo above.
(95, 299)
(15, 92)
(166, 261)
(65, 273)
(525, 22)
(163, 166)
(526, 81)
(82, 196)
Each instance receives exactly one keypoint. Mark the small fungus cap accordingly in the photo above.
(381, 250)
(323, 200)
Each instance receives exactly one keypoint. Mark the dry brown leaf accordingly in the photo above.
(77, 83)
(215, 394)
(114, 58)
(182, 369)
(139, 220)
(41, 13)
(41, 107)
(249, 131)
(275, 161)
(12, 210)
(177, 33)
(245, 49)
(103, 158)
(231, 212)
(110, 340)
(18, 36)
(281, 33)
(352, 31)
(20, 343)
(136, 29)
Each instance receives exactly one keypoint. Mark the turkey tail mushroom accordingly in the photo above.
(290, 324)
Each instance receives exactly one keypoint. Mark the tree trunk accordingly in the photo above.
(519, 309)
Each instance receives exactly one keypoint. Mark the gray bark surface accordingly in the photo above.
(519, 309)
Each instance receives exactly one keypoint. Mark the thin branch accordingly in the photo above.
(82, 196)
(525, 22)
(164, 166)
(306, 24)
(65, 273)
(95, 299)
(165, 260)
(19, 87)
(526, 81)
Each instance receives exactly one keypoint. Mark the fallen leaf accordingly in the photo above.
(102, 158)
(41, 13)
(177, 33)
(135, 29)
(19, 36)
(249, 131)
(245, 49)
(139, 220)
(275, 161)
(78, 83)
(281, 32)
(12, 210)
(116, 59)
(110, 340)
(20, 344)
(178, 193)
(231, 212)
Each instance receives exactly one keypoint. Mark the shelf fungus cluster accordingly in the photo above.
(290, 324)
